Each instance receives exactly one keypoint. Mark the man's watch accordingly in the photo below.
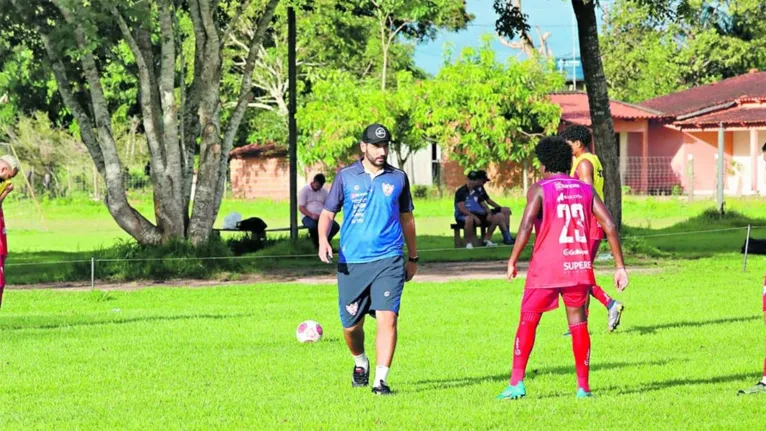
(414, 259)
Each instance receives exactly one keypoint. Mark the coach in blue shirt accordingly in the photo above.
(377, 207)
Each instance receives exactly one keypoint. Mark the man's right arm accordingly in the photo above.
(531, 213)
(460, 197)
(332, 205)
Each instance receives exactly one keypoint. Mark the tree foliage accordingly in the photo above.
(483, 111)
(341, 106)
(656, 47)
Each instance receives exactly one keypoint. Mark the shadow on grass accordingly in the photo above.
(129, 320)
(443, 384)
(698, 237)
(646, 330)
(667, 384)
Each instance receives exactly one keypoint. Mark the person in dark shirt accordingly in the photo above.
(471, 210)
(505, 222)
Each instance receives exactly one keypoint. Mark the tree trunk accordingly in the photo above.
(598, 98)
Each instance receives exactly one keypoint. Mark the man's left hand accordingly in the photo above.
(411, 268)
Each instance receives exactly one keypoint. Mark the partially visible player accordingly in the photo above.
(760, 387)
(561, 209)
(587, 168)
(9, 167)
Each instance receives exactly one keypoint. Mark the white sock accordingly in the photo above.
(381, 374)
(763, 380)
(362, 361)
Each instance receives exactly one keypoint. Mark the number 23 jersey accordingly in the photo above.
(561, 256)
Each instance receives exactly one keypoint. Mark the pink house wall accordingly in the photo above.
(666, 142)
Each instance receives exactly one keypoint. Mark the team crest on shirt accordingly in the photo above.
(388, 189)
(352, 308)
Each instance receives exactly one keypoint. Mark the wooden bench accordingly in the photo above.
(457, 227)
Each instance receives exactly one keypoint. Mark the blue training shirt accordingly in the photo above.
(371, 227)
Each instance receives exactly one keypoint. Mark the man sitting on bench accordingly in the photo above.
(496, 208)
(310, 203)
(471, 211)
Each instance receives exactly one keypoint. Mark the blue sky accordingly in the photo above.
(554, 16)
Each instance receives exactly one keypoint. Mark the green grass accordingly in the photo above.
(227, 358)
(81, 229)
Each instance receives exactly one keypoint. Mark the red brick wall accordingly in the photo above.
(266, 177)
(260, 178)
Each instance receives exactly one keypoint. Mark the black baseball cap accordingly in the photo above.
(376, 134)
(473, 176)
(482, 175)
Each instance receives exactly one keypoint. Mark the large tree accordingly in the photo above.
(511, 21)
(180, 109)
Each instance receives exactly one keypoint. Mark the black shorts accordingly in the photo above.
(364, 288)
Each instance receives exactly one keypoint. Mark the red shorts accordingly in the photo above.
(542, 300)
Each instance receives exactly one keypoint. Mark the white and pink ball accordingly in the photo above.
(309, 331)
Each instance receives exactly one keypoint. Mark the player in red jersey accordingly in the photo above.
(9, 167)
(561, 210)
(760, 387)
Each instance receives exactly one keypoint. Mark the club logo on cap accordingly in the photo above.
(380, 132)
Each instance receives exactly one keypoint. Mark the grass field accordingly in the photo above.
(81, 229)
(227, 358)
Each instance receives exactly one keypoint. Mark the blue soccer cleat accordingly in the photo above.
(513, 392)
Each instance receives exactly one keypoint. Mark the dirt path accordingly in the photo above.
(437, 272)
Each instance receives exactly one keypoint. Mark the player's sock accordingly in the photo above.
(362, 361)
(522, 348)
(381, 374)
(507, 235)
(581, 348)
(598, 293)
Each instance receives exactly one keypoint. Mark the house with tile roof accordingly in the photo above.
(671, 142)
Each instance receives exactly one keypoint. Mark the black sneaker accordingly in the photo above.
(382, 389)
(360, 378)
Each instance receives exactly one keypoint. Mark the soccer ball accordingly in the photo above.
(309, 331)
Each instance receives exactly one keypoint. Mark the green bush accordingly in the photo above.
(129, 261)
(420, 192)
(637, 247)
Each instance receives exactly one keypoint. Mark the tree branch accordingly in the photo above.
(80, 114)
(167, 95)
(235, 20)
(245, 92)
(151, 126)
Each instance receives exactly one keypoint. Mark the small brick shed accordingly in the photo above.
(262, 171)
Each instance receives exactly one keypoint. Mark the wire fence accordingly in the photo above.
(94, 261)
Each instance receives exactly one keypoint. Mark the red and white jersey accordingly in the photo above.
(561, 256)
(3, 238)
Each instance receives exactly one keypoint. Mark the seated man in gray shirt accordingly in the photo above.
(310, 203)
